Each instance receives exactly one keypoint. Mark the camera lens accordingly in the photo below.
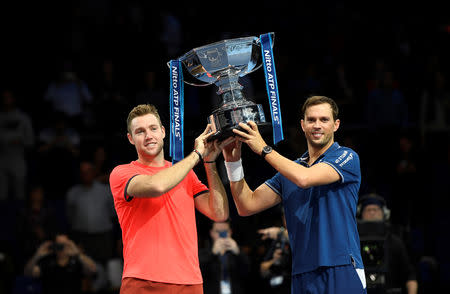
(58, 247)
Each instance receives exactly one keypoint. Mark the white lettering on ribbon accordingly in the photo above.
(176, 101)
(271, 83)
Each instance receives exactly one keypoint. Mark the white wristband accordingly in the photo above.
(235, 171)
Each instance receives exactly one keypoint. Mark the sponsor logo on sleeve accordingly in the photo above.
(349, 157)
(342, 156)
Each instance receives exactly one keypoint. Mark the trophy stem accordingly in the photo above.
(233, 97)
(230, 91)
(228, 83)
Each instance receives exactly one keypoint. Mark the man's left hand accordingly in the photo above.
(251, 136)
(214, 148)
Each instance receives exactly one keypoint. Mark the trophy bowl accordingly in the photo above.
(222, 63)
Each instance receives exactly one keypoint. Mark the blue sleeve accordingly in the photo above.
(275, 183)
(346, 162)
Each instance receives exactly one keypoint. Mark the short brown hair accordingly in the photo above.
(140, 110)
(316, 100)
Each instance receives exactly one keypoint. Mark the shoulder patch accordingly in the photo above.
(349, 157)
(342, 156)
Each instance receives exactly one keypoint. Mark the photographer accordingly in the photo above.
(276, 266)
(224, 266)
(388, 266)
(60, 265)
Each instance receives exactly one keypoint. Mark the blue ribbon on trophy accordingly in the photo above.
(176, 111)
(272, 87)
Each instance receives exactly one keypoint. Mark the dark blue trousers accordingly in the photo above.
(329, 280)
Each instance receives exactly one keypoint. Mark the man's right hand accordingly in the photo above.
(232, 151)
(200, 141)
(222, 245)
(277, 254)
(271, 233)
(44, 249)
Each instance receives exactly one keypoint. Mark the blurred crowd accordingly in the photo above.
(63, 128)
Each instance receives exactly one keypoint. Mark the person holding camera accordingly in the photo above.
(276, 266)
(224, 266)
(60, 265)
(393, 263)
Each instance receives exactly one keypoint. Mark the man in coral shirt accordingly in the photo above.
(155, 202)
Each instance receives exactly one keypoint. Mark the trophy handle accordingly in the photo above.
(190, 80)
(258, 41)
(256, 67)
(197, 85)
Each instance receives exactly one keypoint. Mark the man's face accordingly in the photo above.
(87, 173)
(372, 212)
(318, 125)
(147, 135)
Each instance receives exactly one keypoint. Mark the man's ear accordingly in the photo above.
(163, 131)
(130, 138)
(337, 123)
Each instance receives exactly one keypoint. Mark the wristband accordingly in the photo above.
(235, 171)
(199, 154)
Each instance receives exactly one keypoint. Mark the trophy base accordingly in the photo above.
(224, 121)
(223, 134)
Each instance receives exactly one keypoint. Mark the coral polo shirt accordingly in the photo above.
(159, 233)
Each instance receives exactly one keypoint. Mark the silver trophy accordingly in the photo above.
(222, 63)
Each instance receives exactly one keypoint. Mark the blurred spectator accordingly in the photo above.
(386, 114)
(97, 283)
(224, 266)
(108, 82)
(61, 266)
(376, 77)
(37, 222)
(108, 112)
(386, 105)
(114, 267)
(16, 138)
(109, 91)
(276, 266)
(387, 263)
(406, 199)
(341, 84)
(434, 116)
(59, 146)
(91, 214)
(151, 92)
(59, 134)
(311, 82)
(71, 96)
(102, 164)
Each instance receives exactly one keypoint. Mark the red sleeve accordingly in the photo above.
(198, 187)
(118, 181)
